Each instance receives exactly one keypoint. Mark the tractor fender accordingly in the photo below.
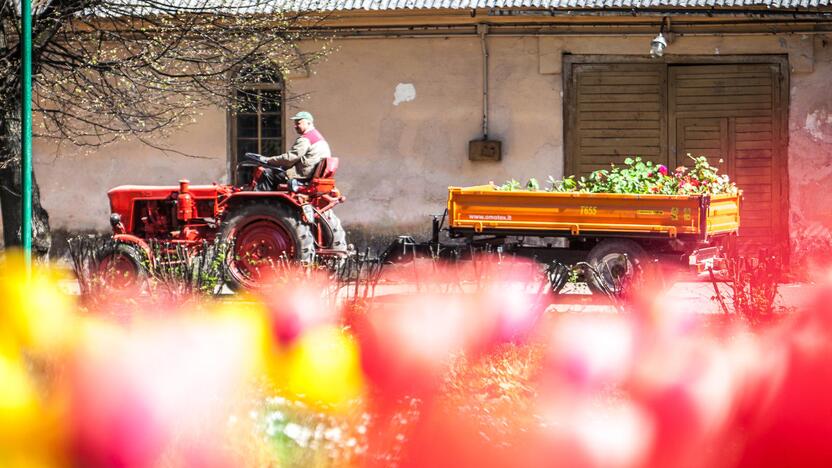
(323, 223)
(138, 241)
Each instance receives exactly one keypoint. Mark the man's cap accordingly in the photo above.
(303, 115)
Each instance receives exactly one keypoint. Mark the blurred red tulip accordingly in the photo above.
(406, 341)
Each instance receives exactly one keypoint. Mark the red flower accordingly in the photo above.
(662, 169)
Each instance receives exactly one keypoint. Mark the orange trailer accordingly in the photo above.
(611, 232)
(483, 210)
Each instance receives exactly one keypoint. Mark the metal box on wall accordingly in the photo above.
(484, 150)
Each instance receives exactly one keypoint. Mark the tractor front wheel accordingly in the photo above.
(262, 238)
(122, 267)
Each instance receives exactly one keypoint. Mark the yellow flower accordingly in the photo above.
(323, 367)
(35, 314)
(29, 433)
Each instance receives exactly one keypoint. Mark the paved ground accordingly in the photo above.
(687, 296)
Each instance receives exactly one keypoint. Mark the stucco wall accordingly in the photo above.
(398, 158)
(74, 181)
(810, 158)
(401, 151)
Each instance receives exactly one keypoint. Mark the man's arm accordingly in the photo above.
(291, 157)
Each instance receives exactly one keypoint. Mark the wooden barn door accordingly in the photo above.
(618, 111)
(733, 113)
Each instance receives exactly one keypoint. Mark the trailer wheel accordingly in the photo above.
(122, 267)
(618, 266)
(262, 238)
(336, 238)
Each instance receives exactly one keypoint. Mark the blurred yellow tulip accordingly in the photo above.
(35, 313)
(323, 367)
(18, 399)
(29, 433)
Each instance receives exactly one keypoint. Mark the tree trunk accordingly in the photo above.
(11, 206)
(11, 203)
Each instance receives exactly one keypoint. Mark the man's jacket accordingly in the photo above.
(307, 151)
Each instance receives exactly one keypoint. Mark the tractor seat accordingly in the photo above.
(322, 176)
(325, 169)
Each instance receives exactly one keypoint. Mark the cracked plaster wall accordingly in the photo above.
(810, 153)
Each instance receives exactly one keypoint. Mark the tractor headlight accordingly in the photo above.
(115, 219)
(115, 222)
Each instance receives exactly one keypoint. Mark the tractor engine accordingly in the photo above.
(186, 212)
(155, 218)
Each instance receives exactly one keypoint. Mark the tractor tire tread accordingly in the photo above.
(304, 241)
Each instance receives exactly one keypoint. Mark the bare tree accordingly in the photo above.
(105, 70)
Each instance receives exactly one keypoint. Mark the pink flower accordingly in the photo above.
(662, 169)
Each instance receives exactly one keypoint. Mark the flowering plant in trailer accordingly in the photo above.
(640, 177)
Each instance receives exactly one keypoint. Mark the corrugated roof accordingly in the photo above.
(133, 7)
(371, 5)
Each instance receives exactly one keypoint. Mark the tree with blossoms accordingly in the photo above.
(111, 70)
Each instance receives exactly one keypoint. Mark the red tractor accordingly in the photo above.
(295, 221)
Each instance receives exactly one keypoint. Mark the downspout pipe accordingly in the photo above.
(482, 30)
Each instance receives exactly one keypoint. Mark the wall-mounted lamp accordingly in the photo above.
(659, 43)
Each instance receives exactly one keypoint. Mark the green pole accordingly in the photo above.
(26, 134)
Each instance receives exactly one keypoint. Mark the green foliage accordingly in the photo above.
(640, 177)
(509, 186)
(567, 184)
(210, 268)
(754, 285)
(636, 176)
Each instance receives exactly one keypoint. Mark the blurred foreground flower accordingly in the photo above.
(37, 325)
(136, 391)
(35, 315)
(321, 368)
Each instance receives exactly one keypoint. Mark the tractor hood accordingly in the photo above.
(124, 197)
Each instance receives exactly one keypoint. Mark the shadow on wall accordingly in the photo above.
(60, 242)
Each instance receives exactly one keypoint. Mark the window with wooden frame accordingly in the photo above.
(257, 123)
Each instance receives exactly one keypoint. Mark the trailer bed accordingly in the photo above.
(484, 210)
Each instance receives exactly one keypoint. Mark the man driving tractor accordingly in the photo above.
(299, 162)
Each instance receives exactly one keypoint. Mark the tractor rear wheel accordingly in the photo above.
(122, 267)
(262, 238)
